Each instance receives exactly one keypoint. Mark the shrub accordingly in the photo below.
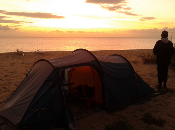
(149, 119)
(165, 90)
(19, 52)
(119, 125)
(148, 58)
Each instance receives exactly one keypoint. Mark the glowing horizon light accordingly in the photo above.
(28, 18)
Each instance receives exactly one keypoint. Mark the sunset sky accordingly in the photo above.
(87, 18)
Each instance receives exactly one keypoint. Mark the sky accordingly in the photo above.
(86, 18)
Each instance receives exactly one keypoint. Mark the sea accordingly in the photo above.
(32, 44)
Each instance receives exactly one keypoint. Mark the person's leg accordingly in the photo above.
(165, 75)
(160, 75)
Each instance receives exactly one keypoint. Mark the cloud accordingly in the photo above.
(147, 18)
(33, 15)
(2, 11)
(128, 13)
(111, 8)
(154, 30)
(10, 21)
(127, 8)
(56, 31)
(82, 32)
(169, 29)
(2, 17)
(29, 22)
(105, 1)
(6, 28)
(151, 31)
(96, 32)
(70, 31)
(115, 7)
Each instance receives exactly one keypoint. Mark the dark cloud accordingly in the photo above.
(2, 11)
(111, 8)
(6, 28)
(105, 1)
(1, 17)
(128, 13)
(115, 7)
(11, 21)
(147, 18)
(127, 8)
(34, 15)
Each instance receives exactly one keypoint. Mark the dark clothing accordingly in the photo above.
(162, 70)
(163, 52)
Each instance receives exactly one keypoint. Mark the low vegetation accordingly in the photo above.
(19, 52)
(149, 119)
(165, 90)
(148, 58)
(119, 125)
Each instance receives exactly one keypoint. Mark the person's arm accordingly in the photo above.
(155, 49)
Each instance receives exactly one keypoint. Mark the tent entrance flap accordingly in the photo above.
(86, 83)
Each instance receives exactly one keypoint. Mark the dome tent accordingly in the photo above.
(40, 96)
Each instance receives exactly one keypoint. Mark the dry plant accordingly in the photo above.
(148, 58)
(19, 52)
(149, 119)
(119, 125)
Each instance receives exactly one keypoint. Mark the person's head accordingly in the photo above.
(164, 34)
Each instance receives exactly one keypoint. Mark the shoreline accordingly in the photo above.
(14, 68)
(72, 51)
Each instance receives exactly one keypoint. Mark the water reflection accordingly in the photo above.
(70, 44)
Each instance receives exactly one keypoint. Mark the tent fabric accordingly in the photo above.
(113, 76)
(47, 104)
(76, 58)
(119, 82)
(111, 59)
(18, 103)
(80, 57)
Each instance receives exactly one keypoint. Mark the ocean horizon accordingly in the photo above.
(31, 44)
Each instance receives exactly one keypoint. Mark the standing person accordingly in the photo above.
(163, 50)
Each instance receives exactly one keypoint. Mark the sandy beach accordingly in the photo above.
(14, 67)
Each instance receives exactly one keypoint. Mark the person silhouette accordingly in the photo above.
(163, 50)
